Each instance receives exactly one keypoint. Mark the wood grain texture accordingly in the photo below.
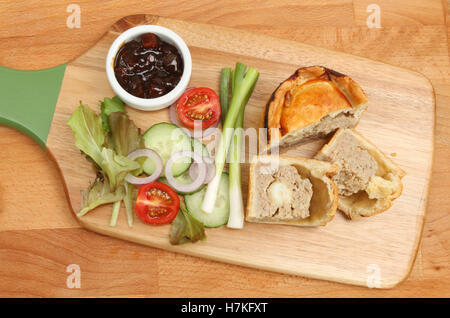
(406, 98)
(36, 30)
(405, 12)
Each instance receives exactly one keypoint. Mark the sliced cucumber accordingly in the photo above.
(221, 211)
(167, 139)
(199, 148)
(184, 178)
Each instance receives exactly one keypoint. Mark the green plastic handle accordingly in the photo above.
(28, 100)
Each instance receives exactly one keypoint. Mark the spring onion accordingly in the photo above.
(224, 91)
(243, 86)
(128, 201)
(115, 213)
(236, 218)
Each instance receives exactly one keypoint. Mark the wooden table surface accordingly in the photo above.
(39, 237)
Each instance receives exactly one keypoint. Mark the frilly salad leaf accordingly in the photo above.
(117, 167)
(126, 137)
(185, 228)
(99, 193)
(89, 138)
(88, 131)
(109, 106)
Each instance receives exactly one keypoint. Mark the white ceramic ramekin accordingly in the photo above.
(149, 103)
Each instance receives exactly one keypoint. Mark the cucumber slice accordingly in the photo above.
(221, 211)
(199, 148)
(167, 139)
(184, 178)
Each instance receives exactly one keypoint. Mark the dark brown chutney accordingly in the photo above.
(148, 67)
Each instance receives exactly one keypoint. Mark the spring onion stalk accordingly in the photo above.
(115, 213)
(224, 91)
(238, 97)
(238, 76)
(236, 218)
(128, 202)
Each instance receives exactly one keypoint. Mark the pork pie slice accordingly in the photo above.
(293, 191)
(312, 103)
(368, 182)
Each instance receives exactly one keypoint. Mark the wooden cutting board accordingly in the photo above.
(377, 251)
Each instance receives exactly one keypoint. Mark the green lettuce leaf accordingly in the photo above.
(109, 106)
(116, 167)
(89, 136)
(185, 228)
(99, 193)
(126, 137)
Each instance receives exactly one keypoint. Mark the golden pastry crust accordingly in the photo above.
(307, 96)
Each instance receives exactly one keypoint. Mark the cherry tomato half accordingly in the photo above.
(157, 203)
(200, 103)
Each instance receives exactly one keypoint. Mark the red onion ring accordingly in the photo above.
(208, 160)
(151, 154)
(174, 115)
(196, 183)
(210, 170)
(174, 120)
